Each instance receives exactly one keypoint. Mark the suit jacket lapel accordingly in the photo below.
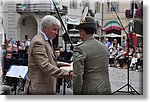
(49, 47)
(52, 52)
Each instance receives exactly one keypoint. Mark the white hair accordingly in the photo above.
(50, 21)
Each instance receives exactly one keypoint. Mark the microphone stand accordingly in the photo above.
(66, 38)
(130, 90)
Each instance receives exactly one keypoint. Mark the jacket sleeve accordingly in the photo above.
(43, 62)
(78, 69)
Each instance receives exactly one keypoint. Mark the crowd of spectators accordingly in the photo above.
(15, 53)
(119, 56)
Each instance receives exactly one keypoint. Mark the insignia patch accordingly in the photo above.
(82, 21)
(76, 54)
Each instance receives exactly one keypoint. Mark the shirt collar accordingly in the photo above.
(45, 36)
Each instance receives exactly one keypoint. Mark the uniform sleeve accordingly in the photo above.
(42, 61)
(78, 69)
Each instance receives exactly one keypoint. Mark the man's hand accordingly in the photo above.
(62, 64)
(70, 74)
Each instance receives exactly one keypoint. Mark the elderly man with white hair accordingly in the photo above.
(43, 68)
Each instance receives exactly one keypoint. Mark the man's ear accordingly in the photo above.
(83, 31)
(44, 29)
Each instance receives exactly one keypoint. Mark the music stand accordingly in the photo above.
(17, 72)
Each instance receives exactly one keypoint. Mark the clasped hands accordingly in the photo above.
(66, 66)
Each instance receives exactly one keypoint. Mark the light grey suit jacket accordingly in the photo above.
(42, 68)
(90, 67)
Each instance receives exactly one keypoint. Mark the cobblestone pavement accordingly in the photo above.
(118, 78)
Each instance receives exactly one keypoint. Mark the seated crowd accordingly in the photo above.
(119, 57)
(15, 54)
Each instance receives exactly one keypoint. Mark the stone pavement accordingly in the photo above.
(118, 78)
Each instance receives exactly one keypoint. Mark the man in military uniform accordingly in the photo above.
(90, 62)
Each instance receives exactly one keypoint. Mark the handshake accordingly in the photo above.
(66, 66)
(63, 64)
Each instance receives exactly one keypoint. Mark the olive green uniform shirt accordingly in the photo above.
(90, 67)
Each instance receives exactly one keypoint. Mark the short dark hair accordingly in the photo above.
(57, 48)
(8, 52)
(89, 30)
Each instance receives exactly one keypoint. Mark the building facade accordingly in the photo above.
(21, 18)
